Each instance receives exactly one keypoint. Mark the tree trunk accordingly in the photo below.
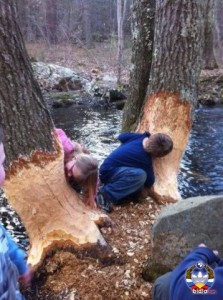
(143, 13)
(35, 184)
(87, 23)
(209, 61)
(218, 32)
(172, 92)
(121, 9)
(52, 21)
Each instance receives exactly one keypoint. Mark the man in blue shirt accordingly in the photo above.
(198, 276)
(129, 169)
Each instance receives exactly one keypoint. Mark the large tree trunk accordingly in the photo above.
(36, 186)
(143, 13)
(173, 85)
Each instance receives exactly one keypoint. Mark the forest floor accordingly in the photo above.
(130, 237)
(101, 59)
(86, 278)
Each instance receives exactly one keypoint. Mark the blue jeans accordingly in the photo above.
(124, 182)
(161, 287)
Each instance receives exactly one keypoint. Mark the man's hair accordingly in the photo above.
(88, 166)
(159, 144)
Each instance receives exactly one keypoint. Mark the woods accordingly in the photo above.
(167, 43)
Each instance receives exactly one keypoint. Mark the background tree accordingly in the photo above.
(36, 186)
(121, 11)
(209, 61)
(173, 85)
(218, 32)
(143, 13)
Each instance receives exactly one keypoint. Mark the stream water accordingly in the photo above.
(201, 171)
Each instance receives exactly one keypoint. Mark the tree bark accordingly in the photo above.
(52, 21)
(218, 32)
(143, 13)
(209, 61)
(173, 85)
(121, 9)
(51, 211)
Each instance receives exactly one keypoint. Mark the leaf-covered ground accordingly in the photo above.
(69, 277)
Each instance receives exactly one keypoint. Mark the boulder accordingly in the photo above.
(182, 226)
(51, 76)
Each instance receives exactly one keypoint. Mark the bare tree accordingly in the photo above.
(36, 186)
(218, 32)
(121, 10)
(173, 85)
(143, 13)
(209, 61)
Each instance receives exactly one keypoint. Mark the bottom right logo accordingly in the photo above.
(200, 278)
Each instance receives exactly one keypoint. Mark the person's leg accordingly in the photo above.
(161, 287)
(124, 182)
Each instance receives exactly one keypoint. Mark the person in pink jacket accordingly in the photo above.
(81, 168)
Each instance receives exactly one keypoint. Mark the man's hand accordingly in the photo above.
(215, 251)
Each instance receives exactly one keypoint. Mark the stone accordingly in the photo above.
(182, 226)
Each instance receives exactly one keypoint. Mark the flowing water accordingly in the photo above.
(201, 171)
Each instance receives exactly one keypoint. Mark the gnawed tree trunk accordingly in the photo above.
(173, 85)
(36, 186)
(143, 13)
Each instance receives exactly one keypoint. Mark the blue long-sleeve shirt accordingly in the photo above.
(9, 247)
(129, 154)
(179, 288)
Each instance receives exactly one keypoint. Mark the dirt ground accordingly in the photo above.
(100, 59)
(68, 277)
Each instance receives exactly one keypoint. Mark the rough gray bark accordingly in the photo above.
(23, 113)
(218, 32)
(178, 45)
(209, 61)
(143, 13)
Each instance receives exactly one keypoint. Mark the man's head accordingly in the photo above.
(158, 144)
(2, 159)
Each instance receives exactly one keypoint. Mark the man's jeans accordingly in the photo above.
(124, 182)
(161, 287)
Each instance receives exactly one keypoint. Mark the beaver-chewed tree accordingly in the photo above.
(173, 85)
(35, 184)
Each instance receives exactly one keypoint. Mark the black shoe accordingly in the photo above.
(103, 203)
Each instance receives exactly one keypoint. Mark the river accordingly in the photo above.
(201, 169)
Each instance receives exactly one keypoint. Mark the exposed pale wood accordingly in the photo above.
(167, 113)
(51, 211)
